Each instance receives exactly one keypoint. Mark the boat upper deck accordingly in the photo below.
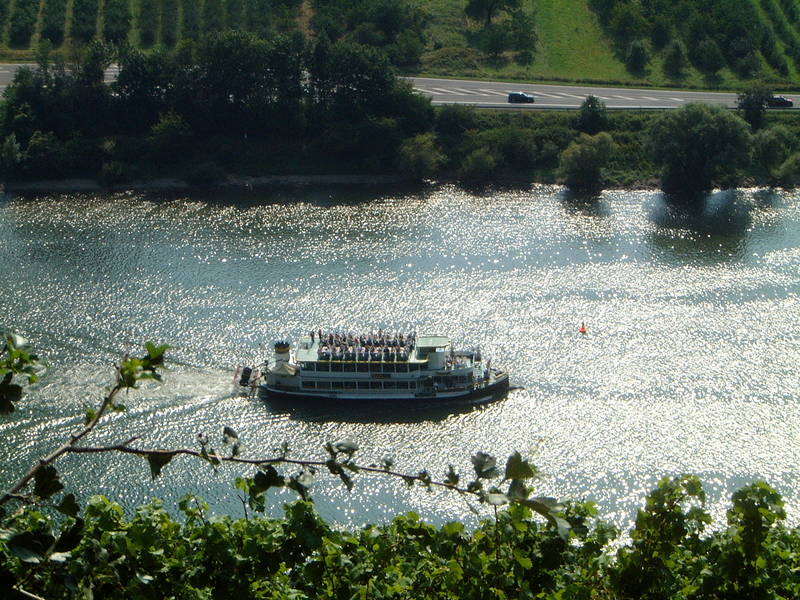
(380, 347)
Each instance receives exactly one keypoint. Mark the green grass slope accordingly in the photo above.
(572, 44)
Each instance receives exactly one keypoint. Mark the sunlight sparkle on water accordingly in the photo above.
(689, 364)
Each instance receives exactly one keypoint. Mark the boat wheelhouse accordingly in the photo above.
(371, 367)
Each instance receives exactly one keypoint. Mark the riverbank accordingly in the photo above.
(85, 185)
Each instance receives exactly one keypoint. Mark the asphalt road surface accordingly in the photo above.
(488, 94)
(495, 95)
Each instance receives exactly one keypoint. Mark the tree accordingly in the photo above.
(698, 145)
(593, 116)
(676, 59)
(10, 157)
(636, 57)
(118, 20)
(582, 162)
(420, 157)
(771, 147)
(752, 101)
(486, 10)
(709, 57)
(169, 137)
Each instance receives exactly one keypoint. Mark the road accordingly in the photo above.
(488, 94)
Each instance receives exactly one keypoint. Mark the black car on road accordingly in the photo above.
(521, 97)
(779, 102)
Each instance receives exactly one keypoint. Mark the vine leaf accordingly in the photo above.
(549, 509)
(485, 466)
(266, 478)
(69, 506)
(518, 468)
(9, 393)
(229, 434)
(157, 462)
(46, 482)
(70, 538)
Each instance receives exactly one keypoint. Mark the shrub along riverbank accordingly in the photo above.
(234, 105)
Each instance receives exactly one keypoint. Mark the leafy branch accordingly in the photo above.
(128, 374)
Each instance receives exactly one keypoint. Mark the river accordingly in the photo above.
(689, 366)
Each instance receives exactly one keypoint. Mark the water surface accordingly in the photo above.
(690, 364)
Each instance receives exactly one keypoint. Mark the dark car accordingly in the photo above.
(520, 97)
(779, 102)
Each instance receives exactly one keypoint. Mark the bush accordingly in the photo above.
(44, 157)
(115, 172)
(593, 117)
(788, 174)
(10, 157)
(455, 59)
(169, 137)
(582, 162)
(420, 157)
(478, 167)
(771, 147)
(206, 174)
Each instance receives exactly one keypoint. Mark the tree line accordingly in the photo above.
(234, 104)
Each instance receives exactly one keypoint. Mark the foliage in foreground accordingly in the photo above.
(60, 551)
(152, 554)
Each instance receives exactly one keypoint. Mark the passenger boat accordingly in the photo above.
(379, 367)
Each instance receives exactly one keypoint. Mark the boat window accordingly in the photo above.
(349, 385)
(375, 385)
(349, 367)
(310, 385)
(337, 385)
(363, 367)
(336, 367)
(374, 367)
(324, 366)
(389, 385)
(323, 385)
(363, 385)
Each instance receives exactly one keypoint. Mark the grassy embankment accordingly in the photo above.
(572, 47)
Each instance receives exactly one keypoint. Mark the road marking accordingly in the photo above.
(678, 99)
(444, 91)
(572, 96)
(547, 95)
(650, 98)
(495, 92)
(623, 97)
(471, 92)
